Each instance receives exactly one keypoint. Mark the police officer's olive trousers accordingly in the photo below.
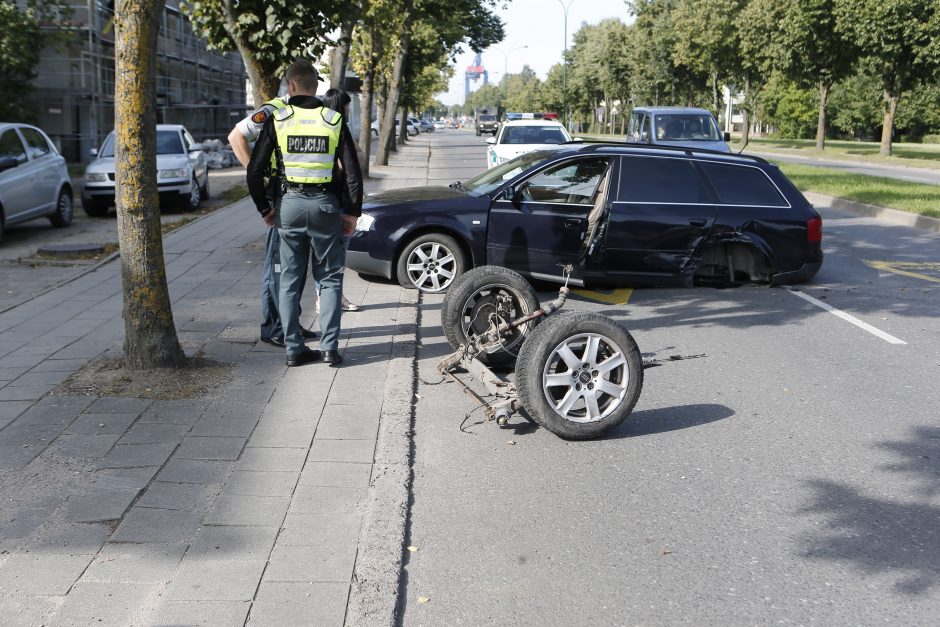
(310, 228)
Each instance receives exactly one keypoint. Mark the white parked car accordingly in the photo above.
(516, 137)
(34, 179)
(182, 172)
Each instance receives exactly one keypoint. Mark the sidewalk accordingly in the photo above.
(256, 503)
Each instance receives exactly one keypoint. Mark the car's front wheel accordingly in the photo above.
(63, 209)
(191, 202)
(430, 263)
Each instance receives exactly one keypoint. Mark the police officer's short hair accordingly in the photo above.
(304, 75)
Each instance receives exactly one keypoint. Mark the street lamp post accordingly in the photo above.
(564, 68)
(506, 57)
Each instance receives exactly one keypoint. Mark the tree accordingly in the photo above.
(817, 53)
(898, 38)
(269, 35)
(20, 42)
(760, 52)
(711, 51)
(150, 339)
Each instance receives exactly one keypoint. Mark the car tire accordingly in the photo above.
(64, 209)
(375, 133)
(430, 263)
(557, 374)
(472, 298)
(191, 202)
(95, 208)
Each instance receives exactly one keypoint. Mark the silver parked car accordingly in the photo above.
(34, 179)
(182, 172)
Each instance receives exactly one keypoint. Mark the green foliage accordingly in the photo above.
(20, 42)
(855, 106)
(789, 107)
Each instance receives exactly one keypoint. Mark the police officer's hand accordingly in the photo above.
(349, 224)
(268, 219)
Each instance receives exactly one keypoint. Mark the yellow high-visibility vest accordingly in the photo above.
(307, 140)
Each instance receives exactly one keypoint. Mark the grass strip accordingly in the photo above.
(913, 155)
(873, 190)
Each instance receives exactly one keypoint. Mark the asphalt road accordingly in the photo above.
(790, 476)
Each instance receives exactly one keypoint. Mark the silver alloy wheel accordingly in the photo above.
(431, 266)
(65, 207)
(585, 378)
(194, 194)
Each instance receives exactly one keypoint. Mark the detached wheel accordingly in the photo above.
(479, 293)
(430, 263)
(579, 374)
(63, 210)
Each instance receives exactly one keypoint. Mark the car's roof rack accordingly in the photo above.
(595, 144)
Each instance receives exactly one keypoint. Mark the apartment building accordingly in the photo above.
(74, 88)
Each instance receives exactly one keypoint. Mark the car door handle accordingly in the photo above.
(698, 221)
(572, 223)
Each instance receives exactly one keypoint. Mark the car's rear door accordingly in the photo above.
(544, 227)
(661, 213)
(16, 191)
(45, 167)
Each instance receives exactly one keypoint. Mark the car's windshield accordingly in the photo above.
(533, 135)
(687, 127)
(168, 143)
(493, 178)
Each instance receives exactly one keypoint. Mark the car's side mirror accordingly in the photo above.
(491, 140)
(196, 147)
(727, 136)
(8, 163)
(93, 152)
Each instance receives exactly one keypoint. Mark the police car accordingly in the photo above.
(519, 136)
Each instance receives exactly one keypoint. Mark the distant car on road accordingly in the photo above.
(517, 137)
(686, 127)
(440, 124)
(182, 172)
(34, 178)
(619, 214)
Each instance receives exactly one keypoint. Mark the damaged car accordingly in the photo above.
(619, 214)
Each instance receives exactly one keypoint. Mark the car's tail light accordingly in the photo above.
(814, 229)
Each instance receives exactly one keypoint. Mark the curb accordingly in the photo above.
(891, 216)
(373, 595)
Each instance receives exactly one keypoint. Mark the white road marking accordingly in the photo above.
(841, 314)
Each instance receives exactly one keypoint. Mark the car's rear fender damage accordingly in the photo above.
(732, 256)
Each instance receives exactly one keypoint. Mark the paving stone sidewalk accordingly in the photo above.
(244, 506)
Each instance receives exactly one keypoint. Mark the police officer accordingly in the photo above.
(307, 139)
(248, 130)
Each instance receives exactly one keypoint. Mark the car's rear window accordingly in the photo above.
(660, 180)
(742, 185)
(533, 135)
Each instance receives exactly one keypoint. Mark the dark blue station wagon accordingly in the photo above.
(619, 214)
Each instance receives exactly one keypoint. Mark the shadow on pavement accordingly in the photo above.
(879, 535)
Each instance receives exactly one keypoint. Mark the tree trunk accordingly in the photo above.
(746, 112)
(150, 339)
(387, 130)
(340, 56)
(264, 85)
(365, 118)
(403, 126)
(887, 131)
(821, 123)
(715, 97)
